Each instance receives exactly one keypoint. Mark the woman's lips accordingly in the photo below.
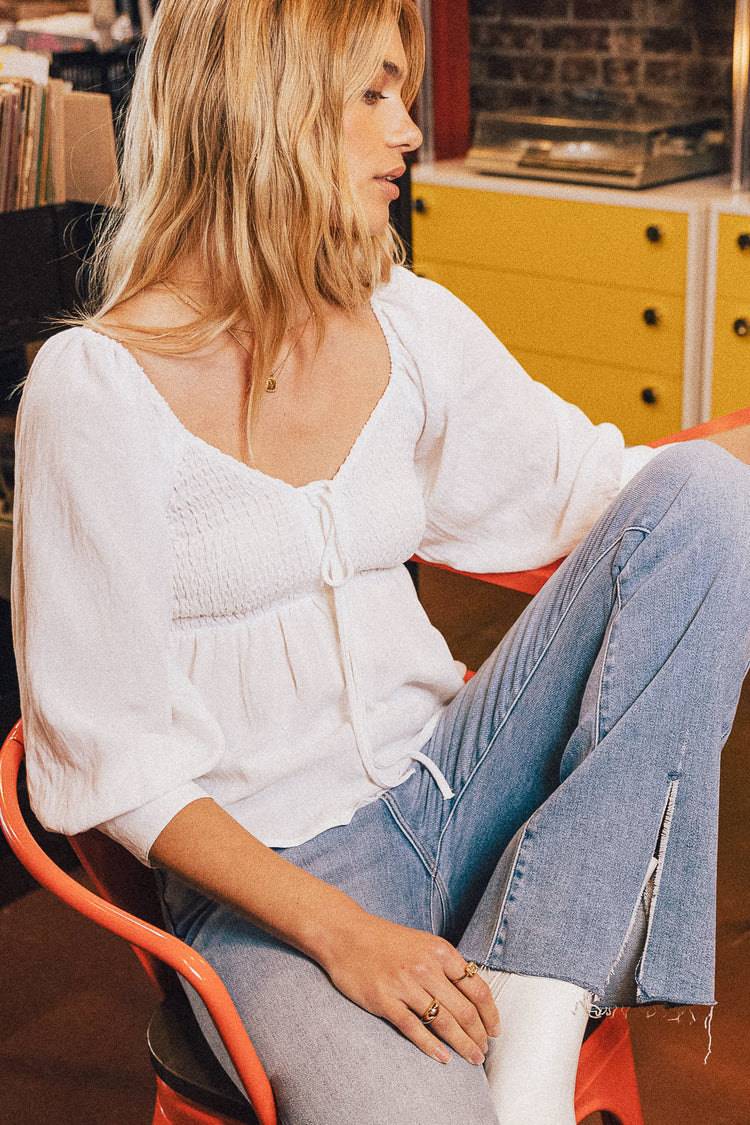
(390, 188)
(386, 181)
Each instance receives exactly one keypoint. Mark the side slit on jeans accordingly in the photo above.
(647, 897)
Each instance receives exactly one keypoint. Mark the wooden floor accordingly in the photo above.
(74, 1002)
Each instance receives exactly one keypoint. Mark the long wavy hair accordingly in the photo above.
(233, 160)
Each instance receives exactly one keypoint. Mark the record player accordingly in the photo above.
(617, 151)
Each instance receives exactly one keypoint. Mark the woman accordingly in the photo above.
(223, 662)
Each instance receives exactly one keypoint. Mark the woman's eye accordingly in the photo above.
(373, 96)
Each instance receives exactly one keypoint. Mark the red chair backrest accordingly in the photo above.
(123, 881)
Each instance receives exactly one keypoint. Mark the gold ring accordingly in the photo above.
(432, 1013)
(471, 969)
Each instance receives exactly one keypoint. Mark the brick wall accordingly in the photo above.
(551, 55)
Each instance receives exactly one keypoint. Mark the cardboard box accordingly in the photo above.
(90, 156)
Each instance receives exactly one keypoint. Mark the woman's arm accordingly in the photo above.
(390, 970)
(93, 599)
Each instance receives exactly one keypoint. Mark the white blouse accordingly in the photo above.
(187, 626)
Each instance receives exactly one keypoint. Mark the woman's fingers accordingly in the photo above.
(469, 997)
(478, 992)
(460, 1005)
(412, 1027)
(443, 1027)
(450, 1017)
(460, 1024)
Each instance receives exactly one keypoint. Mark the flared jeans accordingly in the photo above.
(587, 744)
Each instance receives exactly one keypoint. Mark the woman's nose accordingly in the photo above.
(407, 134)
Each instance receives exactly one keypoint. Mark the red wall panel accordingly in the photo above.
(450, 70)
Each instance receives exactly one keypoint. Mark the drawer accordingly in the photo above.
(612, 394)
(733, 261)
(731, 369)
(551, 237)
(571, 319)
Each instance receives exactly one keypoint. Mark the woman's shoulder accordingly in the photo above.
(84, 386)
(427, 313)
(441, 334)
(85, 405)
(76, 354)
(91, 358)
(82, 368)
(78, 341)
(415, 295)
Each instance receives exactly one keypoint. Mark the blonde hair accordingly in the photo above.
(233, 158)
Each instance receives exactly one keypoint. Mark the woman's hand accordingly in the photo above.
(397, 973)
(390, 970)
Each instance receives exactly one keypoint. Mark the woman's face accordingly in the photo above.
(377, 133)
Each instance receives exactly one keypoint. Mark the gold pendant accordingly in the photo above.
(271, 384)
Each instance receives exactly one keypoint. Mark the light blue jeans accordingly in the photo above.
(588, 743)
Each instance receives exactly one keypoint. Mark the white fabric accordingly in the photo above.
(187, 626)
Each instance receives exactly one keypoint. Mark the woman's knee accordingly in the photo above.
(710, 486)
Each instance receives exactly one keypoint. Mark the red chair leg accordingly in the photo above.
(173, 1109)
(606, 1074)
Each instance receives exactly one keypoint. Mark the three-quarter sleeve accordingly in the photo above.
(115, 735)
(514, 476)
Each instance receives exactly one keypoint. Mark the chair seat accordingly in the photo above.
(184, 1061)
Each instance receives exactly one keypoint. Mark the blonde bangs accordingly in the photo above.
(367, 47)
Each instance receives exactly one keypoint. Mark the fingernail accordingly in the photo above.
(494, 1031)
(477, 1057)
(442, 1054)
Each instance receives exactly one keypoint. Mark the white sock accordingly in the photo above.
(531, 1066)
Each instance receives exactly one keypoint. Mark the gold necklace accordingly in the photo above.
(271, 381)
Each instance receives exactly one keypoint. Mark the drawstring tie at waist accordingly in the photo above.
(336, 570)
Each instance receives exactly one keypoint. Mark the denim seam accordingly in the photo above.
(506, 894)
(437, 886)
(406, 831)
(602, 674)
(605, 652)
(480, 761)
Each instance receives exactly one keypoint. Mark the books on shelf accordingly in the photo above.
(56, 144)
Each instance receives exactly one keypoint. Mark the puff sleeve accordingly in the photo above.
(513, 475)
(115, 736)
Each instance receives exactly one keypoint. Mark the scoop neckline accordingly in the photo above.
(243, 465)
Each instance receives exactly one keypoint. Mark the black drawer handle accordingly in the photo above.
(740, 326)
(651, 317)
(653, 233)
(419, 206)
(743, 241)
(649, 396)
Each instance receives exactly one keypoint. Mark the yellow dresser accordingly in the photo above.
(728, 329)
(590, 294)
